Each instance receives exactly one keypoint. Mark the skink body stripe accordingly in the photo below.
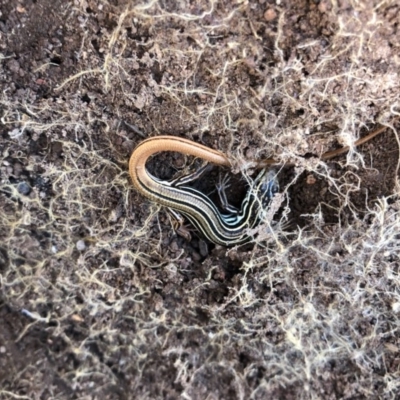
(227, 229)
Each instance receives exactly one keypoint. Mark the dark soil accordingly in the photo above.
(100, 298)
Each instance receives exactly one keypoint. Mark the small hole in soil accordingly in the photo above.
(56, 60)
(85, 98)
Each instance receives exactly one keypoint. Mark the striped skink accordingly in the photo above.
(223, 228)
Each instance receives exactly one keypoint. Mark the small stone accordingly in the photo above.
(270, 14)
(203, 247)
(76, 318)
(311, 180)
(13, 65)
(80, 245)
(15, 133)
(196, 256)
(323, 7)
(23, 188)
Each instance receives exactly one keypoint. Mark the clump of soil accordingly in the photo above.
(100, 298)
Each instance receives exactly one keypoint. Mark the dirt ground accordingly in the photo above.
(100, 298)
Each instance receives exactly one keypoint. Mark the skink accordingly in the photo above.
(227, 229)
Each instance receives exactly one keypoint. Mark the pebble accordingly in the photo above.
(13, 65)
(23, 188)
(80, 245)
(270, 15)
